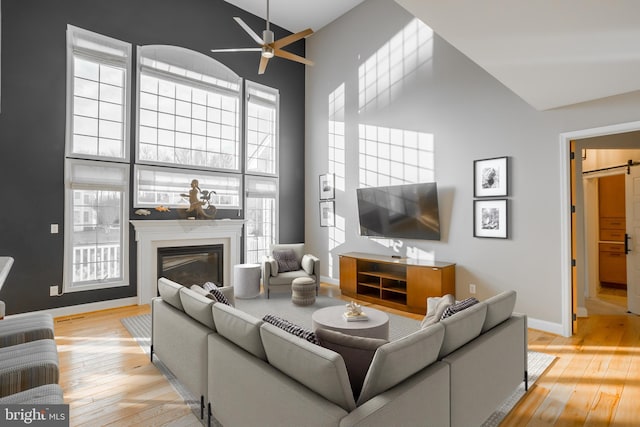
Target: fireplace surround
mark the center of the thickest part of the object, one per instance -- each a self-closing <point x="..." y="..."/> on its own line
<point x="154" y="234"/>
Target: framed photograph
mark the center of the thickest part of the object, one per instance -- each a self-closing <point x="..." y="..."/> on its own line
<point x="327" y="216"/>
<point x="490" y="177"/>
<point x="490" y="218"/>
<point x="326" y="186"/>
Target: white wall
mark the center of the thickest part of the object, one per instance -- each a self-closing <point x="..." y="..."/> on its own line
<point x="470" y="116"/>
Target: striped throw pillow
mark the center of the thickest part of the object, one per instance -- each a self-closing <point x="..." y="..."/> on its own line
<point x="458" y="307"/>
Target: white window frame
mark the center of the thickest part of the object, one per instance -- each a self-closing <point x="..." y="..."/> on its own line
<point x="248" y="195"/>
<point x="204" y="73"/>
<point x="107" y="51"/>
<point x="123" y="187"/>
<point x="250" y="89"/>
<point x="188" y="176"/>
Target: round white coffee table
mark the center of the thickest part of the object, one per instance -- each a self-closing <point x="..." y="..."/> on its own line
<point x="376" y="326"/>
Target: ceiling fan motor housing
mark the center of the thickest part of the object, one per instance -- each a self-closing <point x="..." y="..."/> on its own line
<point x="267" y="38"/>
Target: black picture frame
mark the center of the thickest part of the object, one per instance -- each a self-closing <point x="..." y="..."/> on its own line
<point x="491" y="177"/>
<point x="491" y="218"/>
<point x="327" y="213"/>
<point x="327" y="190"/>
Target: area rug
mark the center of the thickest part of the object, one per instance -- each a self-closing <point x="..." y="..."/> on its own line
<point x="140" y="329"/>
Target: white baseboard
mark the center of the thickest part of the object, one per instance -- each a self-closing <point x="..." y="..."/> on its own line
<point x="330" y="280"/>
<point x="85" y="308"/>
<point x="543" y="325"/>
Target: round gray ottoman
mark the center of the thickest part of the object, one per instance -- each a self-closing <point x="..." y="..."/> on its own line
<point x="303" y="291"/>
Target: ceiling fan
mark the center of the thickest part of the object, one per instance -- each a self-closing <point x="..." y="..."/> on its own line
<point x="269" y="46"/>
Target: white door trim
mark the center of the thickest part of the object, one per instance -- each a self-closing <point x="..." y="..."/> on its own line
<point x="565" y="209"/>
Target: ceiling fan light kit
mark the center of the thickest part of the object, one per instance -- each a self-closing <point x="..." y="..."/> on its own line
<point x="268" y="46"/>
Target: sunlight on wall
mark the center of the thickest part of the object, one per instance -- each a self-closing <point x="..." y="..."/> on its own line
<point x="336" y="165"/>
<point x="419" y="254"/>
<point x="394" y="156"/>
<point x="381" y="76"/>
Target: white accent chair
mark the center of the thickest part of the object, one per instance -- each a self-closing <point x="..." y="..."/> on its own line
<point x="273" y="278"/>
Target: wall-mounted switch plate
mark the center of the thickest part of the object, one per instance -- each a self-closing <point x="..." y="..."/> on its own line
<point x="54" y="228"/>
<point x="53" y="291"/>
<point x="472" y="288"/>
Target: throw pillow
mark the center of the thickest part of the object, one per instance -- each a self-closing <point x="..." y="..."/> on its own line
<point x="287" y="260"/>
<point x="199" y="289"/>
<point x="435" y="313"/>
<point x="209" y="285"/>
<point x="458" y="307"/>
<point x="357" y="353"/>
<point x="292" y="328"/>
<point x="219" y="296"/>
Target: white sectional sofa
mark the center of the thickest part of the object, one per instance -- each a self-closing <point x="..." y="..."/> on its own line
<point x="252" y="373"/>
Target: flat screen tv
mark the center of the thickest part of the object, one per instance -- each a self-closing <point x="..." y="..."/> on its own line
<point x="407" y="211"/>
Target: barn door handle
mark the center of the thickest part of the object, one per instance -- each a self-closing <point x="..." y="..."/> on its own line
<point x="626" y="243"/>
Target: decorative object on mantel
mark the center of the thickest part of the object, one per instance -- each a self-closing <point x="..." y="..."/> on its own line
<point x="162" y="208"/>
<point x="200" y="202"/>
<point x="354" y="313"/>
<point x="143" y="212"/>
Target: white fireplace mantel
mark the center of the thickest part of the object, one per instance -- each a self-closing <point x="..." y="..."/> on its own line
<point x="154" y="234"/>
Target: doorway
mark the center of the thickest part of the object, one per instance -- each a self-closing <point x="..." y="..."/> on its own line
<point x="606" y="173"/>
<point x="622" y="136"/>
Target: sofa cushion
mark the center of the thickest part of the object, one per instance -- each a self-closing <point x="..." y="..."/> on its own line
<point x="317" y="368"/>
<point x="287" y="277"/>
<point x="287" y="260"/>
<point x="198" y="307"/>
<point x="435" y="307"/>
<point x="499" y="309"/>
<point x="292" y="328"/>
<point x="357" y="353"/>
<point x="462" y="327"/>
<point x="458" y="307"/>
<point x="170" y="292"/>
<point x="398" y="360"/>
<point x="240" y="328"/>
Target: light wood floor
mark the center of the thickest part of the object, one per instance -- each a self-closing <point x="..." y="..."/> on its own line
<point x="108" y="380"/>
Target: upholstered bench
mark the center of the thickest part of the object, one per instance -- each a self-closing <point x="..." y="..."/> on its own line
<point x="303" y="291"/>
<point x="48" y="394"/>
<point x="28" y="365"/>
<point x="22" y="329"/>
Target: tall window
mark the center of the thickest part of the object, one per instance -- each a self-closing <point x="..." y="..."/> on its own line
<point x="262" y="129"/>
<point x="188" y="117"/>
<point x="261" y="216"/>
<point x="261" y="212"/>
<point x="97" y="168"/>
<point x="98" y="102"/>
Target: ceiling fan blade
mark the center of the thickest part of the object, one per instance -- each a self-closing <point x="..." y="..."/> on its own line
<point x="241" y="49"/>
<point x="292" y="56"/>
<point x="263" y="64"/>
<point x="285" y="41"/>
<point x="249" y="31"/>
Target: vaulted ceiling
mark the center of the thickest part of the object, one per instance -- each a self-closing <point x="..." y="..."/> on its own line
<point x="550" y="53"/>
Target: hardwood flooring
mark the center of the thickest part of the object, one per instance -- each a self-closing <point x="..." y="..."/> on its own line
<point x="108" y="380"/>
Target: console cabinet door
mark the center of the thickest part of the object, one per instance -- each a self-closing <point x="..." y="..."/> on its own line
<point x="348" y="275"/>
<point x="424" y="282"/>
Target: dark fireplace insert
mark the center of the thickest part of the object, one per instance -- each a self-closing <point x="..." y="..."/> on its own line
<point x="189" y="265"/>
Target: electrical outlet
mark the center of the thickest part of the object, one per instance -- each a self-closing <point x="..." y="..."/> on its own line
<point x="472" y="288"/>
<point x="54" y="228"/>
<point x="53" y="291"/>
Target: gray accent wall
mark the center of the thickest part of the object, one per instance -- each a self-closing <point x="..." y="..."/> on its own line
<point x="470" y="116"/>
<point x="32" y="123"/>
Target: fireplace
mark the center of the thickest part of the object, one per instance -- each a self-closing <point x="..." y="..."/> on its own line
<point x="189" y="265"/>
<point x="153" y="235"/>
